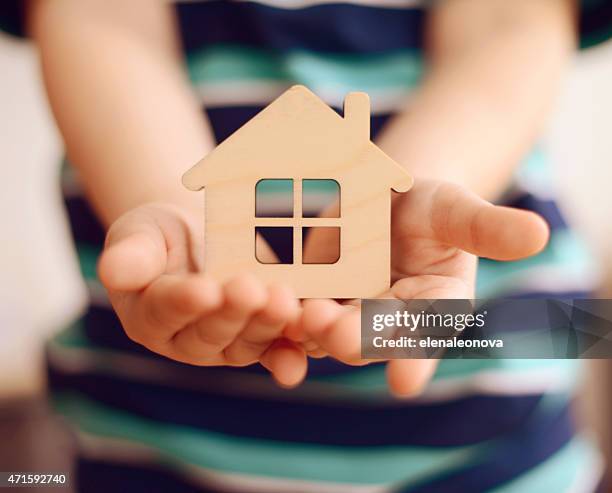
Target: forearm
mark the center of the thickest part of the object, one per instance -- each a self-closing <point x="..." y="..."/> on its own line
<point x="114" y="76"/>
<point x="491" y="78"/>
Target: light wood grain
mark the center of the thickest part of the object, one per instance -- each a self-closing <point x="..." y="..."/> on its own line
<point x="299" y="137"/>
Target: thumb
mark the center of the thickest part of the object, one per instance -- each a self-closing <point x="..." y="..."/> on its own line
<point x="464" y="220"/>
<point x="134" y="255"/>
<point x="501" y="233"/>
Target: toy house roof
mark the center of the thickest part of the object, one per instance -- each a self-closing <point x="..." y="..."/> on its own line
<point x="299" y="132"/>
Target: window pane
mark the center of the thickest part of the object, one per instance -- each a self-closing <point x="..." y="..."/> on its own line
<point x="328" y="242"/>
<point x="320" y="198"/>
<point x="279" y="239"/>
<point x="274" y="198"/>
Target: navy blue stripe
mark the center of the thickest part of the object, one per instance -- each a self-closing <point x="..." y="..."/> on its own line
<point x="12" y="17"/>
<point x="545" y="208"/>
<point x="99" y="476"/>
<point x="225" y="121"/>
<point x="102" y="328"/>
<point x="84" y="225"/>
<point x="333" y="423"/>
<point x="524" y="449"/>
<point x="332" y="28"/>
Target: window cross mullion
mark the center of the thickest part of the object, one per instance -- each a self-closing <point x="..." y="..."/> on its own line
<point x="303" y="222"/>
<point x="297" y="216"/>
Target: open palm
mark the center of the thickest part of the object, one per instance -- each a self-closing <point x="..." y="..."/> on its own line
<point x="437" y="232"/>
<point x="152" y="268"/>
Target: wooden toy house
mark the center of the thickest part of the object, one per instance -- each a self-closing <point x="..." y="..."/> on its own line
<point x="298" y="143"/>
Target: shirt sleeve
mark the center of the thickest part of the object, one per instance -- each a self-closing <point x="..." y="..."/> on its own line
<point x="12" y="18"/>
<point x="595" y="22"/>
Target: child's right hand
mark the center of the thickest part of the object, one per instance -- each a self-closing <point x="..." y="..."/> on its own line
<point x="152" y="268"/>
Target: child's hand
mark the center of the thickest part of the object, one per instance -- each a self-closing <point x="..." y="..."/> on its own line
<point x="437" y="231"/>
<point x="151" y="267"/>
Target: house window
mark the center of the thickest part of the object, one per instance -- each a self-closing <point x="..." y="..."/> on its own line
<point x="274" y="198"/>
<point x="288" y="212"/>
<point x="320" y="198"/>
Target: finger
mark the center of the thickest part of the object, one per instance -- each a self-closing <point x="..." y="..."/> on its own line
<point x="317" y="315"/>
<point x="173" y="301"/>
<point x="265" y="253"/>
<point x="209" y="336"/>
<point x="286" y="362"/>
<point x="408" y="377"/>
<point x="463" y="220"/>
<point x="340" y="336"/>
<point x="265" y="326"/>
<point x="135" y="254"/>
<point x="293" y="330"/>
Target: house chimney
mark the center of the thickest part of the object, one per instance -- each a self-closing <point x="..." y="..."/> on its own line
<point x="357" y="114"/>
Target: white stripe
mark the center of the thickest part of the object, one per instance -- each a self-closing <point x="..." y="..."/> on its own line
<point x="237" y="93"/>
<point x="261" y="93"/>
<point x="498" y="382"/>
<point x="118" y="450"/>
<point x="539" y="186"/>
<point x="590" y="476"/>
<point x="557" y="280"/>
<point x="300" y="4"/>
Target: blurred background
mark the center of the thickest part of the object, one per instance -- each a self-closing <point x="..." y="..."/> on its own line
<point x="41" y="290"/>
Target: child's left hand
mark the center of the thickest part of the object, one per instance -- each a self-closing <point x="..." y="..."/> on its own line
<point x="438" y="229"/>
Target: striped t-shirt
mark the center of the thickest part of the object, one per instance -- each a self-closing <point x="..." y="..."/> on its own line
<point x="148" y="424"/>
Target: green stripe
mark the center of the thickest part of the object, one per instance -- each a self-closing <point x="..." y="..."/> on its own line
<point x="274" y="186"/>
<point x="88" y="260"/>
<point x="176" y="444"/>
<point x="73" y="337"/>
<point x="229" y="63"/>
<point x="564" y="251"/>
<point x="535" y="170"/>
